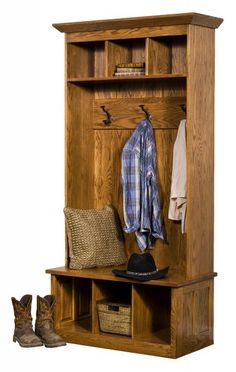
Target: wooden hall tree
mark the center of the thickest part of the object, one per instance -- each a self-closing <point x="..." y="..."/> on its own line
<point x="173" y="316"/>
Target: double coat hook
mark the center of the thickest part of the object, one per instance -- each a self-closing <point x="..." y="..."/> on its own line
<point x="109" y="118"/>
<point x="148" y="115"/>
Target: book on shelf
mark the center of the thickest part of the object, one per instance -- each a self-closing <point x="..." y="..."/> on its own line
<point x="130" y="69"/>
<point x="131" y="65"/>
<point x="134" y="73"/>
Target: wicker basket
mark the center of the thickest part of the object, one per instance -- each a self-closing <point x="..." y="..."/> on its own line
<point x="114" y="317"/>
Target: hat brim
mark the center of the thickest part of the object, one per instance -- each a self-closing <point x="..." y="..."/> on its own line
<point x="141" y="278"/>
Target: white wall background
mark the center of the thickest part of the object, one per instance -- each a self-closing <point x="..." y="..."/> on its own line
<point x="32" y="190"/>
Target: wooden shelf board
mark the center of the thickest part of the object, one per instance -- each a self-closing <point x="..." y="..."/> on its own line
<point x="159" y="337"/>
<point x="112" y="79"/>
<point x="78" y="326"/>
<point x="79" y="332"/>
<point x="173" y="279"/>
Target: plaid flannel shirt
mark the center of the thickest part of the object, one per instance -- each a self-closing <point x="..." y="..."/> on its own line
<point x="141" y="204"/>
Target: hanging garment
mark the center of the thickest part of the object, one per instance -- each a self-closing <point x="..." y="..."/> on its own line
<point x="177" y="208"/>
<point x="141" y="202"/>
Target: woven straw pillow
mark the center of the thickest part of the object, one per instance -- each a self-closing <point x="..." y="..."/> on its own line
<point x="95" y="237"/>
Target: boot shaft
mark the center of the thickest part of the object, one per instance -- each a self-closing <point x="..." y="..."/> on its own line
<point x="45" y="309"/>
<point x="22" y="311"/>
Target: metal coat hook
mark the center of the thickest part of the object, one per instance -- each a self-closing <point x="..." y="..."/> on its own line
<point x="109" y="118"/>
<point x="183" y="107"/>
<point x="148" y="115"/>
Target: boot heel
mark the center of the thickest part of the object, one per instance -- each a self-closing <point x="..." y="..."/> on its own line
<point x="14" y="339"/>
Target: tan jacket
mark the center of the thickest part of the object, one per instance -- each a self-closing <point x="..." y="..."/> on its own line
<point x="177" y="208"/>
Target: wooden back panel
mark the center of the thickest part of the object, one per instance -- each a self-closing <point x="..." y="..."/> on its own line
<point x="164" y="105"/>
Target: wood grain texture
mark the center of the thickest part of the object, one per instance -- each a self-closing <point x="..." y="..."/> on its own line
<point x="81" y="298"/>
<point x="166" y="112"/>
<point x="140" y="22"/>
<point x="97" y="294"/>
<point x="179" y="55"/>
<point x="159" y="56"/>
<point x="66" y="301"/>
<point x="191" y="318"/>
<point x="129" y="33"/>
<point x="99" y="59"/>
<point x="55" y="291"/>
<point x="79" y="138"/>
<point x="86" y="59"/>
<point x="124" y="51"/>
<point x="79" y="334"/>
<point x="152" y="306"/>
<point x="117" y="53"/>
<point x="200" y="151"/>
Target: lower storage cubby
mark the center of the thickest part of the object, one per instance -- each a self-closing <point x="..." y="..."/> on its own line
<point x="73" y="304"/>
<point x="152" y="313"/>
<point x="114" y="293"/>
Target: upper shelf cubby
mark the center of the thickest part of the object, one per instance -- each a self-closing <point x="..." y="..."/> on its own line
<point x="166" y="55"/>
<point x="124" y="52"/>
<point x="163" y="56"/>
<point x="86" y="59"/>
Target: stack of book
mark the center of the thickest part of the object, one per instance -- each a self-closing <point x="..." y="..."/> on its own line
<point x="130" y="69"/>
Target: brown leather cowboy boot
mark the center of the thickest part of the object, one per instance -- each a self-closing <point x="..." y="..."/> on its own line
<point x="44" y="322"/>
<point x="23" y="332"/>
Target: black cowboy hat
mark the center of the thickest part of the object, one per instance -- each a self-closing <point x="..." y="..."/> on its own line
<point x="141" y="267"/>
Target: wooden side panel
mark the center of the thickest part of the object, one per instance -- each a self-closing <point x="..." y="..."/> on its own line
<point x="79" y="148"/>
<point x="192" y="318"/>
<point x="55" y="290"/>
<point x="200" y="150"/>
<point x="62" y="289"/>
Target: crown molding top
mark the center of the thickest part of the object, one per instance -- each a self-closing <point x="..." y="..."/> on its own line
<point x="139" y="22"/>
